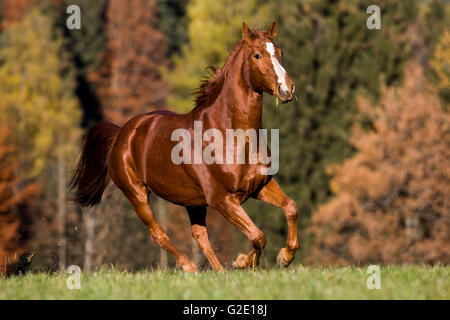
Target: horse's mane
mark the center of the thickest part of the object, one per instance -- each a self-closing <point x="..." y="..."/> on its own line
<point x="211" y="86"/>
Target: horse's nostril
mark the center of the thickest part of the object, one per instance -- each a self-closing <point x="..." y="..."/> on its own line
<point x="281" y="91"/>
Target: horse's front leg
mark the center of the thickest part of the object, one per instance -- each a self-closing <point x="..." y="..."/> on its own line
<point x="272" y="193"/>
<point x="231" y="209"/>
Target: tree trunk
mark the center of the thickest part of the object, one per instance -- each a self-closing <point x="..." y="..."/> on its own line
<point x="89" y="223"/>
<point x="62" y="210"/>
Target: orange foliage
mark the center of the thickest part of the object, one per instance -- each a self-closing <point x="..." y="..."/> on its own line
<point x="15" y="206"/>
<point x="393" y="196"/>
<point x="14" y="10"/>
<point x="130" y="80"/>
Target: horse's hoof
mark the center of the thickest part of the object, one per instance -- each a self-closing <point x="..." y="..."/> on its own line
<point x="240" y="262"/>
<point x="281" y="260"/>
<point x="189" y="268"/>
<point x="220" y="269"/>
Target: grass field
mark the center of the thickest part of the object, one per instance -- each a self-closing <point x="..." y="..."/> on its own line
<point x="405" y="282"/>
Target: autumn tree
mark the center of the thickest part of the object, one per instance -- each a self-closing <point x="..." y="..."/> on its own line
<point x="131" y="80"/>
<point x="36" y="93"/>
<point x="17" y="205"/>
<point x="392" y="201"/>
<point x="12" y="11"/>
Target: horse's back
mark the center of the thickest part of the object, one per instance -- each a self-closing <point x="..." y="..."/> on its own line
<point x="138" y="133"/>
<point x="144" y="146"/>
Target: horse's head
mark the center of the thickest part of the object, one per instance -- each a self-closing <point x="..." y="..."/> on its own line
<point x="265" y="72"/>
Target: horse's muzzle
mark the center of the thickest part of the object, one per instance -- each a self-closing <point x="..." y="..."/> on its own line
<point x="286" y="96"/>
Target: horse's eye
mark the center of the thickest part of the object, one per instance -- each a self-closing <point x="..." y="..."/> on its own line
<point x="257" y="56"/>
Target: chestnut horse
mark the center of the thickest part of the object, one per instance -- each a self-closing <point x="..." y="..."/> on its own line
<point x="137" y="156"/>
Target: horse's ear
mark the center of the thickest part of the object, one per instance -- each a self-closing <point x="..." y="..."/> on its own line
<point x="246" y="31"/>
<point x="272" y="31"/>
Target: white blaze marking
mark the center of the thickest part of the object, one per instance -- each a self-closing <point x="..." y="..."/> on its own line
<point x="279" y="70"/>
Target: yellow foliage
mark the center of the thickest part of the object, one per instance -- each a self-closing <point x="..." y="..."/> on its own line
<point x="441" y="61"/>
<point x="36" y="88"/>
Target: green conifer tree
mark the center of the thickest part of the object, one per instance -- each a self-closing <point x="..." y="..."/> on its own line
<point x="86" y="47"/>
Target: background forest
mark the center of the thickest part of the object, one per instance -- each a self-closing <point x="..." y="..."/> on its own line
<point x="365" y="150"/>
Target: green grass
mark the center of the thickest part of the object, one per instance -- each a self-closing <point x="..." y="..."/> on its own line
<point x="397" y="282"/>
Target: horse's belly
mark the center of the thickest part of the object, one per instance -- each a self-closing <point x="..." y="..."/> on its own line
<point x="165" y="178"/>
<point x="171" y="183"/>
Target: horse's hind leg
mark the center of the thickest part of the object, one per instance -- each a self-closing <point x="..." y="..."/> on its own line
<point x="197" y="216"/>
<point x="137" y="194"/>
<point x="159" y="236"/>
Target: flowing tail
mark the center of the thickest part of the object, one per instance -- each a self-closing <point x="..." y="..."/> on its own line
<point x="91" y="177"/>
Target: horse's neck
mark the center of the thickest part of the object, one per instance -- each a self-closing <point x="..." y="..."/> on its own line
<point x="237" y="106"/>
